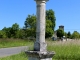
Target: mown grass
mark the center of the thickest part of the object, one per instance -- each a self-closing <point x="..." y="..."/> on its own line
<point x="14" y="43"/>
<point x="69" y="50"/>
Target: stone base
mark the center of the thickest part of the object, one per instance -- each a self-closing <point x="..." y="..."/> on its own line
<point x="37" y="55"/>
<point x="40" y="46"/>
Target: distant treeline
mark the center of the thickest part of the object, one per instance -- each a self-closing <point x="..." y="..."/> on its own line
<point x="74" y="35"/>
<point x="29" y="29"/>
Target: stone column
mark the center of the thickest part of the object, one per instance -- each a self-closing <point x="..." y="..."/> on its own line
<point x="40" y="44"/>
<point x="40" y="52"/>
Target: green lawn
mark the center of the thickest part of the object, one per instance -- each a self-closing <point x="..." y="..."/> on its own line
<point x="69" y="50"/>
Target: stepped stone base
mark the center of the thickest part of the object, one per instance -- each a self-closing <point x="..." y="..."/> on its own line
<point x="37" y="55"/>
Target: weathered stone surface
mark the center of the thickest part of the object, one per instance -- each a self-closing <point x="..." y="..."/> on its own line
<point x="37" y="55"/>
<point x="32" y="58"/>
<point x="40" y="46"/>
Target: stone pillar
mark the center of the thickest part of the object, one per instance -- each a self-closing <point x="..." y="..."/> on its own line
<point x="40" y="44"/>
<point x="40" y="52"/>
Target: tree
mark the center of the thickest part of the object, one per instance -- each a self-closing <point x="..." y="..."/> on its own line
<point x="50" y="15"/>
<point x="14" y="30"/>
<point x="49" y="30"/>
<point x="30" y="26"/>
<point x="60" y="33"/>
<point x="11" y="31"/>
<point x="21" y="34"/>
<point x="2" y="34"/>
<point x="65" y="34"/>
<point x="30" y="23"/>
<point x="50" y="23"/>
<point x="7" y="31"/>
<point x="69" y="35"/>
<point x="75" y="35"/>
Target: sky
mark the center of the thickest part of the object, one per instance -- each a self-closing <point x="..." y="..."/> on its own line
<point x="67" y="12"/>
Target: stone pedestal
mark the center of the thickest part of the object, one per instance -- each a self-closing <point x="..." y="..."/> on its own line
<point x="37" y="55"/>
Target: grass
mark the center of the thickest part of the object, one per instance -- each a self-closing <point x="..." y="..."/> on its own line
<point x="21" y="56"/>
<point x="14" y="43"/>
<point x="69" y="50"/>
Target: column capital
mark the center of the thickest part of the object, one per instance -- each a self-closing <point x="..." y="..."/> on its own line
<point x="41" y="0"/>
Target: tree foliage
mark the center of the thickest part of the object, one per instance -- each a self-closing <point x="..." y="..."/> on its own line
<point x="30" y="25"/>
<point x="49" y="29"/>
<point x="30" y="21"/>
<point x="7" y="31"/>
<point x="60" y="33"/>
<point x="69" y="35"/>
<point x="14" y="30"/>
<point x="75" y="35"/>
<point x="11" y="32"/>
<point x="65" y="34"/>
<point x="2" y="34"/>
<point x="50" y="15"/>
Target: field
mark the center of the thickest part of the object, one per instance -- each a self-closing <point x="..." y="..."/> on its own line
<point x="68" y="50"/>
<point x="14" y="42"/>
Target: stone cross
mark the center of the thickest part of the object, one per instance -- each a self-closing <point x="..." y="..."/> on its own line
<point x="40" y="52"/>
